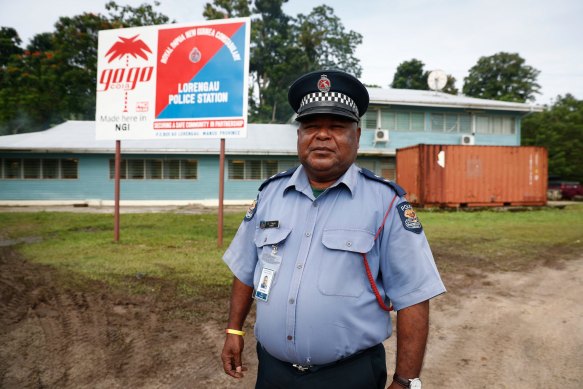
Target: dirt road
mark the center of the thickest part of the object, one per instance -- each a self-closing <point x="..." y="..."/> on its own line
<point x="503" y="330"/>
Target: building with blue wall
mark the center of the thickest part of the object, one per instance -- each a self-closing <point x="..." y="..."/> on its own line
<point x="66" y="165"/>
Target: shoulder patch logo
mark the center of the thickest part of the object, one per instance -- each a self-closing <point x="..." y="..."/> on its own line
<point x="251" y="211"/>
<point x="409" y="218"/>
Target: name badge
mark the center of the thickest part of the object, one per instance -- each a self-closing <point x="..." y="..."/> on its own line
<point x="263" y="224"/>
<point x="262" y="292"/>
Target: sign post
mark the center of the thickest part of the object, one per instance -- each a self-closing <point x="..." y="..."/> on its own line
<point x="117" y="190"/>
<point x="221" y="191"/>
<point x="178" y="81"/>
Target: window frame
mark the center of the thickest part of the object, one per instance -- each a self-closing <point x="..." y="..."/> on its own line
<point x="40" y="168"/>
<point x="265" y="168"/>
<point x="176" y="166"/>
<point x="393" y="120"/>
<point x="491" y="125"/>
<point x="451" y="122"/>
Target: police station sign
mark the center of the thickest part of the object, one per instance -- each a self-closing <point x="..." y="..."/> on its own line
<point x="173" y="81"/>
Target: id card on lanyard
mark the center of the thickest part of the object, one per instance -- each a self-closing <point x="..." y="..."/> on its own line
<point x="271" y="262"/>
<point x="265" y="281"/>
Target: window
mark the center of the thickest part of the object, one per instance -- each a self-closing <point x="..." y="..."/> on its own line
<point x="451" y="122"/>
<point x="417" y="121"/>
<point x="482" y="125"/>
<point x="495" y="125"/>
<point x="385" y="167"/>
<point x="369" y="120"/>
<point x="189" y="169"/>
<point x="237" y="170"/>
<point x="270" y="168"/>
<point x="256" y="169"/>
<point x="367" y="164"/>
<point x="437" y="122"/>
<point x="282" y="166"/>
<point x="50" y="168"/>
<point x="465" y="122"/>
<point x="395" y="120"/>
<point x="172" y="169"/>
<point x="155" y="169"/>
<point x="13" y="168"/>
<point x="409" y="121"/>
<point x="31" y="168"/>
<point x="387" y="120"/>
<point x="136" y="169"/>
<point x="35" y="169"/>
<point x="253" y="170"/>
<point x="69" y="168"/>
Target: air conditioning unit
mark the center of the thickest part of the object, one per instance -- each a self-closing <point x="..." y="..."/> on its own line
<point x="381" y="136"/>
<point x="467" y="140"/>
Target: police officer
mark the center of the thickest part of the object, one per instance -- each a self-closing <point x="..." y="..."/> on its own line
<point x="323" y="251"/>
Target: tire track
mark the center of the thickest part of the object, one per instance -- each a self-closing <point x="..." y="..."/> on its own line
<point x="54" y="337"/>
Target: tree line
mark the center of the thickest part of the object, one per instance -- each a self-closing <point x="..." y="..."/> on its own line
<point x="502" y="76"/>
<point x="53" y="78"/>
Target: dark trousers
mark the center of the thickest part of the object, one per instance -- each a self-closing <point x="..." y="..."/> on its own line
<point x="366" y="370"/>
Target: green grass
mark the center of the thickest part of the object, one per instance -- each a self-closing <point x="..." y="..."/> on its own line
<point x="162" y="249"/>
<point x="497" y="240"/>
<point x="153" y="247"/>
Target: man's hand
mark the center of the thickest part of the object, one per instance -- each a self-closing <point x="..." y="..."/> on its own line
<point x="233" y="349"/>
<point x="231" y="356"/>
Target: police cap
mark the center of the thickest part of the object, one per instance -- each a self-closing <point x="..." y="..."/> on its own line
<point x="331" y="92"/>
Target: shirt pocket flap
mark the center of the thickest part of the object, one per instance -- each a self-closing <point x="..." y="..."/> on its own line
<point x="270" y="236"/>
<point x="358" y="241"/>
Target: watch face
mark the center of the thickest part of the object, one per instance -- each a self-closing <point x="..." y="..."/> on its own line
<point x="415" y="384"/>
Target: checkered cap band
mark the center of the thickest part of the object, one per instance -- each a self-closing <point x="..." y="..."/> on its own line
<point x="336" y="97"/>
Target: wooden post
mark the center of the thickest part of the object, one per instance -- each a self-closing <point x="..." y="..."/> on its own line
<point x="221" y="192"/>
<point x="117" y="190"/>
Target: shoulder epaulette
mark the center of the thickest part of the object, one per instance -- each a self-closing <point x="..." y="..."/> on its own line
<point x="368" y="174"/>
<point x="277" y="176"/>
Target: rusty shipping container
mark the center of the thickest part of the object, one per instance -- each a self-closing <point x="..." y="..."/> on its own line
<point x="473" y="176"/>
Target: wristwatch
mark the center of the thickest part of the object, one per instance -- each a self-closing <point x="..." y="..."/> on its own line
<point x="412" y="383"/>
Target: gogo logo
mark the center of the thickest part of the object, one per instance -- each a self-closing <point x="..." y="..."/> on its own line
<point x="126" y="78"/>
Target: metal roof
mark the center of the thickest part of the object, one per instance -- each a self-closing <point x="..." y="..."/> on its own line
<point x="424" y="98"/>
<point x="79" y="137"/>
<point x="262" y="139"/>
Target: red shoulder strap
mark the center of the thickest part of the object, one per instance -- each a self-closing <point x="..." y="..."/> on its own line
<point x="373" y="285"/>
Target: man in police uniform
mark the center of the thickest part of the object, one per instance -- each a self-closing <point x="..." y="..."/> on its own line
<point x="336" y="244"/>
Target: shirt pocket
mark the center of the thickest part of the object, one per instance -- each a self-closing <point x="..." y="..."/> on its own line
<point x="342" y="271"/>
<point x="266" y="240"/>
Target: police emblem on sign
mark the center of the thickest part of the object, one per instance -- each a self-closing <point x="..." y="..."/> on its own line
<point x="409" y="218"/>
<point x="195" y="55"/>
<point x="324" y="83"/>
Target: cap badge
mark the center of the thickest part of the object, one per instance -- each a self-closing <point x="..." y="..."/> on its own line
<point x="324" y="83"/>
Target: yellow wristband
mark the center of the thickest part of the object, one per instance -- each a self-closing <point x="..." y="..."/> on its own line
<point x="235" y="332"/>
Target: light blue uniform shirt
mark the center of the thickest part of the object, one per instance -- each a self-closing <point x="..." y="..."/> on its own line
<point x="321" y="307"/>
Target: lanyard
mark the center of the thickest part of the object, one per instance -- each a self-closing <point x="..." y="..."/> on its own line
<point x="373" y="285"/>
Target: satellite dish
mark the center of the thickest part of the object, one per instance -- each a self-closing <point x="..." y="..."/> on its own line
<point x="437" y="80"/>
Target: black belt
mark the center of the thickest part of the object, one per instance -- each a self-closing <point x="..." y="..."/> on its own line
<point x="314" y="368"/>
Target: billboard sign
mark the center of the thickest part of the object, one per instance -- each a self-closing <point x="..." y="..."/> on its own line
<point x="173" y="81"/>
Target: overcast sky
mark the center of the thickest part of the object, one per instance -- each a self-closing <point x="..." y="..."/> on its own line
<point x="449" y="34"/>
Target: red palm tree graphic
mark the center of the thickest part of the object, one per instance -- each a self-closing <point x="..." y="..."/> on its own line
<point x="128" y="46"/>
